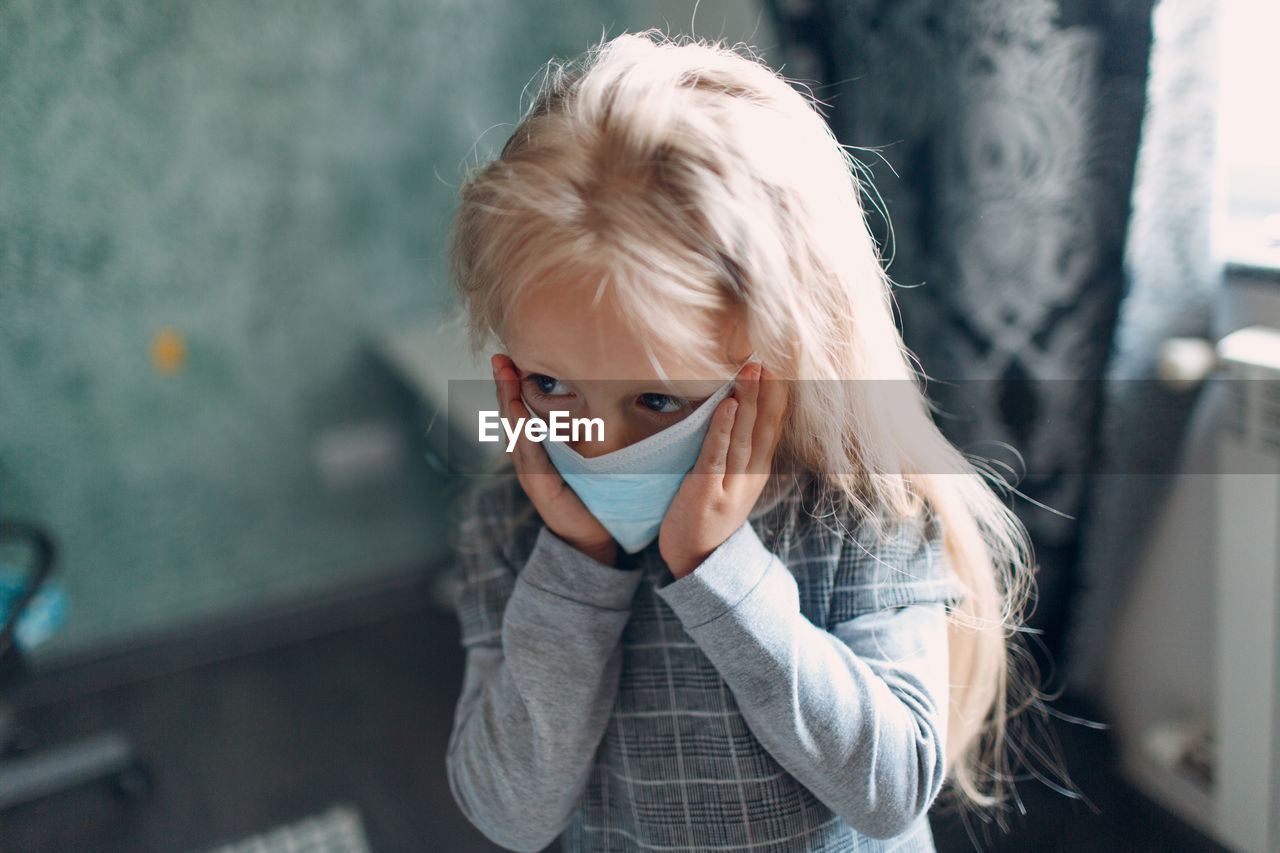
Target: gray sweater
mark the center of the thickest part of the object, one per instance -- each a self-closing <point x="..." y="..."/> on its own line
<point x="790" y="694"/>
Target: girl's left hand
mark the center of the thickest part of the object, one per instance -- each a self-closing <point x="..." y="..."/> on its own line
<point x="716" y="496"/>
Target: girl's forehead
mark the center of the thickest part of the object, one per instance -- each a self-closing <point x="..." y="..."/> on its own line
<point x="559" y="332"/>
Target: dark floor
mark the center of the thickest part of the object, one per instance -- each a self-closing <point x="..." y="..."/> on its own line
<point x="361" y="715"/>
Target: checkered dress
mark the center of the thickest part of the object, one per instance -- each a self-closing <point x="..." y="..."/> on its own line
<point x="788" y="695"/>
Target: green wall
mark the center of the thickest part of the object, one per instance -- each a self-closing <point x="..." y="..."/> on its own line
<point x="271" y="184"/>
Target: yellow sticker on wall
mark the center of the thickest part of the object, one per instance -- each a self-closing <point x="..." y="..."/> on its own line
<point x="168" y="351"/>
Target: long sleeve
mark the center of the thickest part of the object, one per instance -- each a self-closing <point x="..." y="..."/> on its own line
<point x="543" y="661"/>
<point x="857" y="714"/>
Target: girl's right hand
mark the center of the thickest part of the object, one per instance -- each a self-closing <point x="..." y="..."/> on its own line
<point x="560" y="507"/>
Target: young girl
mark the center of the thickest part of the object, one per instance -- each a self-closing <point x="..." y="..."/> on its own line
<point x="798" y="643"/>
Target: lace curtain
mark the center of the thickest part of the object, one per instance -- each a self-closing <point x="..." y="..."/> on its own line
<point x="1003" y="138"/>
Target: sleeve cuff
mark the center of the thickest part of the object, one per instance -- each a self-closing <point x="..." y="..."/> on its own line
<point x="557" y="567"/>
<point x="724" y="579"/>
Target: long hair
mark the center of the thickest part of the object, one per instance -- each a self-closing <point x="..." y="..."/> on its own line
<point x="691" y="185"/>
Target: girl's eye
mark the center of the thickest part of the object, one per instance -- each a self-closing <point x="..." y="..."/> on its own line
<point x="549" y="385"/>
<point x="663" y="403"/>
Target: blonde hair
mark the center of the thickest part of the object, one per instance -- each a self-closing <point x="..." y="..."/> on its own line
<point x="687" y="179"/>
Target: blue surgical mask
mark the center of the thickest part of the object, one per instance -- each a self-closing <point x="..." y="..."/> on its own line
<point x="630" y="489"/>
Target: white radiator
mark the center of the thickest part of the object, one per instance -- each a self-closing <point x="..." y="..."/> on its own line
<point x="1246" y="762"/>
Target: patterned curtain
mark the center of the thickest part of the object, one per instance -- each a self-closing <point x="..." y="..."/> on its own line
<point x="1004" y="136"/>
<point x="1173" y="280"/>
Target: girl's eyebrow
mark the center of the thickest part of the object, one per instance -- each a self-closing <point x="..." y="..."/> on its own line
<point x="528" y="367"/>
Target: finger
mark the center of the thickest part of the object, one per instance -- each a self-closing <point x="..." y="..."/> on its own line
<point x="746" y="390"/>
<point x="715" y="446"/>
<point x="512" y="402"/>
<point x="771" y="404"/>
<point x="537" y="476"/>
<point x="509" y="380"/>
<point x="533" y="456"/>
<point x="499" y="363"/>
<point x="512" y="410"/>
<point x="530" y="457"/>
<point x="771" y="409"/>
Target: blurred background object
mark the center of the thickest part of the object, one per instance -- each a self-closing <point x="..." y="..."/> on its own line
<point x="33" y="607"/>
<point x="212" y="215"/>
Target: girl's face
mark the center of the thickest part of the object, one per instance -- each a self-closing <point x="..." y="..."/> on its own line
<point x="590" y="362"/>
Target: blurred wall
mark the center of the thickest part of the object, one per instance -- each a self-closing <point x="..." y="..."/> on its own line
<point x="730" y="20"/>
<point x="207" y="213"/>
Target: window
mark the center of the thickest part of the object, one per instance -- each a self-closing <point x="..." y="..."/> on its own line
<point x="1247" y="215"/>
